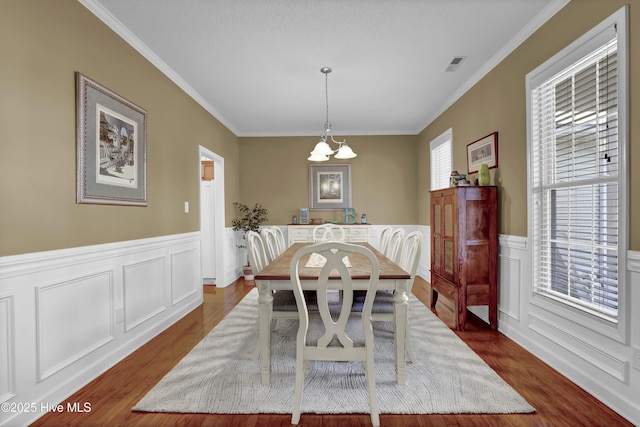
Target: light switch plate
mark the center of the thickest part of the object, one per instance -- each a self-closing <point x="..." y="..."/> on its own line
<point x="186" y="207"/>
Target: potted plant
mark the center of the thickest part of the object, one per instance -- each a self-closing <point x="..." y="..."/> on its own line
<point x="249" y="219"/>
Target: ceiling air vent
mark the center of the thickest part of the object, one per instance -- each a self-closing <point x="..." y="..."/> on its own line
<point x="455" y="63"/>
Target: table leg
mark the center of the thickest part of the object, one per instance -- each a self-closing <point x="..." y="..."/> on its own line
<point x="265" y="305"/>
<point x="401" y="303"/>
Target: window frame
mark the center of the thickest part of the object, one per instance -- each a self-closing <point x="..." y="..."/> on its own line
<point x="440" y="140"/>
<point x="563" y="59"/>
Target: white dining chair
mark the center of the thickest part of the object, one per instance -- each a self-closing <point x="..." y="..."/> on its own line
<point x="271" y="244"/>
<point x="383" y="242"/>
<point x="383" y="305"/>
<point x="334" y="333"/>
<point x="394" y="247"/>
<point x="256" y="251"/>
<point x="329" y="233"/>
<point x="282" y="243"/>
<point x="284" y="302"/>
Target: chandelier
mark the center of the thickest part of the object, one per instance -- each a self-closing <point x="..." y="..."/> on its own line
<point x="322" y="150"/>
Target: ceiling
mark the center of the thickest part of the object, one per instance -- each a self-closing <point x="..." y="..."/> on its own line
<point x="255" y="64"/>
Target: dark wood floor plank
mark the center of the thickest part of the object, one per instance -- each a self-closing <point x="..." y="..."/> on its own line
<point x="557" y="400"/>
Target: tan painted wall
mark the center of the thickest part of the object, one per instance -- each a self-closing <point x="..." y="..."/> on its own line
<point x="43" y="43"/>
<point x="384" y="182"/>
<point x="497" y="103"/>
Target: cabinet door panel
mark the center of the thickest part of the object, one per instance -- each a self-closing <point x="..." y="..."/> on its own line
<point x="449" y="257"/>
<point x="449" y="236"/>
<point x="477" y="265"/>
<point x="436" y="234"/>
<point x="478" y="220"/>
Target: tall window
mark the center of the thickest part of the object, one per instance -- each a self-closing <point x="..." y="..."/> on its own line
<point x="441" y="160"/>
<point x="577" y="175"/>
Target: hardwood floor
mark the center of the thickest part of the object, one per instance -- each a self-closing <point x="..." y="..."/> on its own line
<point x="558" y="401"/>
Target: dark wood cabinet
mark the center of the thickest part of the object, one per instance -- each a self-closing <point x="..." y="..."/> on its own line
<point x="464" y="249"/>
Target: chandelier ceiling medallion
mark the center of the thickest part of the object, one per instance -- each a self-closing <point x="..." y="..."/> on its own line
<point x="322" y="151"/>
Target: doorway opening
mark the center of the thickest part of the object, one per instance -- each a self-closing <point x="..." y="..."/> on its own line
<point x="211" y="170"/>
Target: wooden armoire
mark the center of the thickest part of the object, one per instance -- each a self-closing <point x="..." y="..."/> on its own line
<point x="464" y="249"/>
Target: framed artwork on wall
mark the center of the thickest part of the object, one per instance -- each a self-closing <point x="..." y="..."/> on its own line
<point x="329" y="186"/>
<point x="111" y="147"/>
<point x="483" y="150"/>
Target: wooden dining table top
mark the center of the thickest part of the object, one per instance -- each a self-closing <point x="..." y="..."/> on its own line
<point x="278" y="269"/>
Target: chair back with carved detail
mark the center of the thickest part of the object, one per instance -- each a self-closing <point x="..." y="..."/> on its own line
<point x="334" y="332"/>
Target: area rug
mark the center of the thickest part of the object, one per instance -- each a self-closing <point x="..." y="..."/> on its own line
<point x="220" y="376"/>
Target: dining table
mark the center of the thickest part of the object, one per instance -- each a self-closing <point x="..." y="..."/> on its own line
<point x="277" y="276"/>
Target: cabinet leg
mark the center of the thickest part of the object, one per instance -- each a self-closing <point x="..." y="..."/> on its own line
<point x="434" y="299"/>
<point x="461" y="318"/>
<point x="493" y="315"/>
<point x="461" y="310"/>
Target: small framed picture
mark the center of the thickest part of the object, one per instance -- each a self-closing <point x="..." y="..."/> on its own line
<point x="483" y="150"/>
<point x="329" y="186"/>
<point x="111" y="147"/>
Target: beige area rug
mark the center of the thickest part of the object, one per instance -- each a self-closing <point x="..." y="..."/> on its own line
<point x="219" y="375"/>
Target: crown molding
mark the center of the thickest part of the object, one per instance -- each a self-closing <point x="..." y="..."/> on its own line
<point x="105" y="16"/>
<point x="509" y="47"/>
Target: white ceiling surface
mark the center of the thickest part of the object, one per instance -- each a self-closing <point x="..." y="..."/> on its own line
<point x="255" y="64"/>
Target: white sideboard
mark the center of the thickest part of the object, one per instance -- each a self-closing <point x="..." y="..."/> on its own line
<point x="354" y="232"/>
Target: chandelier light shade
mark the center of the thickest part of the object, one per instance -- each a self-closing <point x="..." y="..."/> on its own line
<point x="323" y="151"/>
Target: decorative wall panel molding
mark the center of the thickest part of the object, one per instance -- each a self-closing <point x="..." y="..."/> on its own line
<point x="185" y="275"/>
<point x="69" y="328"/>
<point x="510" y="284"/>
<point x="144" y="291"/>
<point x="598" y="359"/>
<point x="633" y="261"/>
<point x="7" y="349"/>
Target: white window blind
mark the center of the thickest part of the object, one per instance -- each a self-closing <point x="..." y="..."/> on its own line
<point x="441" y="160"/>
<point x="575" y="173"/>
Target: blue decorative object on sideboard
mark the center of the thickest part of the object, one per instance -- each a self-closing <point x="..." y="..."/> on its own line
<point x="349" y="215"/>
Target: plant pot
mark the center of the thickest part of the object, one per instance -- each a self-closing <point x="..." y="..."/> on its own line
<point x="248" y="273"/>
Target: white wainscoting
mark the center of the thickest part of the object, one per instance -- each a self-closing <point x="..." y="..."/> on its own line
<point x="594" y="361"/>
<point x="7" y="348"/>
<point x="66" y="316"/>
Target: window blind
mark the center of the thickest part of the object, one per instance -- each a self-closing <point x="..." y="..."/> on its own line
<point x="575" y="183"/>
<point x="441" y="160"/>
